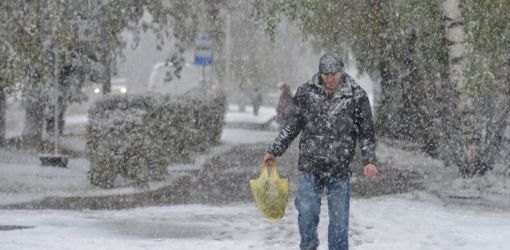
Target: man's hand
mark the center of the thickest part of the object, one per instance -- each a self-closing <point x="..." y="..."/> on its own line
<point x="269" y="159"/>
<point x="370" y="170"/>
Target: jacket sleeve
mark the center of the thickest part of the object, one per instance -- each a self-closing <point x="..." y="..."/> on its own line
<point x="293" y="128"/>
<point x="365" y="126"/>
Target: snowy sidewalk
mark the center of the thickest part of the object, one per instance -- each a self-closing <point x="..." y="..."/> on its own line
<point x="397" y="222"/>
<point x="23" y="179"/>
<point x="237" y="119"/>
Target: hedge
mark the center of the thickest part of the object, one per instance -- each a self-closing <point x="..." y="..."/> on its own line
<point x="137" y="136"/>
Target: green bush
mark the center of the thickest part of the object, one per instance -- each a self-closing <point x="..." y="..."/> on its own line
<point x="137" y="137"/>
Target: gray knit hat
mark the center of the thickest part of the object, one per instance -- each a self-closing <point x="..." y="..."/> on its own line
<point x="330" y="63"/>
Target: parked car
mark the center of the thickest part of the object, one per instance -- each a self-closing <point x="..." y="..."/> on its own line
<point x="164" y="80"/>
<point x="119" y="86"/>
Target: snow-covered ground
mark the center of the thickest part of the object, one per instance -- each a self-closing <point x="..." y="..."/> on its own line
<point x="234" y="115"/>
<point x="389" y="222"/>
<point x="22" y="178"/>
<point x="244" y="136"/>
<point x="414" y="220"/>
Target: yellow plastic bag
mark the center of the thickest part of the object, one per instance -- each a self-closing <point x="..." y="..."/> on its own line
<point x="270" y="193"/>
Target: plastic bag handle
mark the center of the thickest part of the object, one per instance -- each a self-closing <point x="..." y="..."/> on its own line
<point x="274" y="171"/>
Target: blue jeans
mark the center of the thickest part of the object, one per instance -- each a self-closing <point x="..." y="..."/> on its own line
<point x="308" y="204"/>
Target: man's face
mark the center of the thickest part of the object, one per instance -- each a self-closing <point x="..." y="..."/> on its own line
<point x="332" y="80"/>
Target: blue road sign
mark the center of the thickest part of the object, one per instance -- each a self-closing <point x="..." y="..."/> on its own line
<point x="203" y="50"/>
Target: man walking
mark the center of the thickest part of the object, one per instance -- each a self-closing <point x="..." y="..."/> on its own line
<point x="331" y="112"/>
<point x="256" y="100"/>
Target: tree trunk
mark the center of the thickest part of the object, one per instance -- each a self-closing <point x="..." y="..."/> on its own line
<point x="465" y="139"/>
<point x="443" y="123"/>
<point x="498" y="123"/>
<point x="387" y="122"/>
<point x="454" y="25"/>
<point x="35" y="103"/>
<point x="412" y="117"/>
<point x="107" y="84"/>
<point x="34" y="120"/>
<point x="105" y="51"/>
<point x="2" y="116"/>
<point x="64" y="82"/>
<point x="385" y="117"/>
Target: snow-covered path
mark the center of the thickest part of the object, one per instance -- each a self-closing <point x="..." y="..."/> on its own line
<point x="388" y="222"/>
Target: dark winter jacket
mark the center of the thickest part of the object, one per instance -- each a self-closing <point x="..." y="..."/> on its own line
<point x="330" y="125"/>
